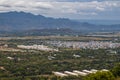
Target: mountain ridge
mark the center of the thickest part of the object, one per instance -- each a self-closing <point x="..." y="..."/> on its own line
<point x="11" y="21"/>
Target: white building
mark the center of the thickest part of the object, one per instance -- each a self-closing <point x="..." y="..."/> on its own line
<point x="70" y="73"/>
<point x="87" y="71"/>
<point x="104" y="70"/>
<point x="80" y="73"/>
<point x="11" y="58"/>
<point x="94" y="70"/>
<point x="60" y="74"/>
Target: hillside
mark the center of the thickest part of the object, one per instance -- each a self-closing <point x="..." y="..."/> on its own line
<point x="11" y="21"/>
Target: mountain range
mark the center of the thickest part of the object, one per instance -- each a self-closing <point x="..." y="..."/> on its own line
<point x="21" y="21"/>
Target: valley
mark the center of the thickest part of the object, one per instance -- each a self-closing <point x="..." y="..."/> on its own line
<point x="38" y="62"/>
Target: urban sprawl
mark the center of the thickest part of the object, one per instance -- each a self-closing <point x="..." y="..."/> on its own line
<point x="84" y="45"/>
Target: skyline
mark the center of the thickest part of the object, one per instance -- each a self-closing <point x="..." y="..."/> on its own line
<point x="73" y="9"/>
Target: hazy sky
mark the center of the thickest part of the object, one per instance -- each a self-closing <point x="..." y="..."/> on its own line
<point x="75" y="9"/>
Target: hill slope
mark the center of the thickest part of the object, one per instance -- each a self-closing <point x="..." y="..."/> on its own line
<point x="26" y="21"/>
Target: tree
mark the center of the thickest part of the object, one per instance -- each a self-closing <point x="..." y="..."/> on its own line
<point x="100" y="75"/>
<point x="116" y="70"/>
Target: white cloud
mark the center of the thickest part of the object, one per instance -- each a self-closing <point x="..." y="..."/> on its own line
<point x="100" y="8"/>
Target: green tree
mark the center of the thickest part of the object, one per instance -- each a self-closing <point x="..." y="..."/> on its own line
<point x="116" y="70"/>
<point x="100" y="76"/>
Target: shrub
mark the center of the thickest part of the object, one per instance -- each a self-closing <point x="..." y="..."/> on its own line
<point x="100" y="76"/>
<point x="116" y="70"/>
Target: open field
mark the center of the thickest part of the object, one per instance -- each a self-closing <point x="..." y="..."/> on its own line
<point x="56" y="38"/>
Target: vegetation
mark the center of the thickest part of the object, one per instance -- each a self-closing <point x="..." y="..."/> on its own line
<point x="36" y="65"/>
<point x="100" y="76"/>
<point x="116" y="70"/>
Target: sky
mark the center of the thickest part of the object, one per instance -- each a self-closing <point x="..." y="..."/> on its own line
<point x="73" y="9"/>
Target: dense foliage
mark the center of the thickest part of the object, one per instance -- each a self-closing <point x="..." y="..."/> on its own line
<point x="100" y="76"/>
<point x="116" y="70"/>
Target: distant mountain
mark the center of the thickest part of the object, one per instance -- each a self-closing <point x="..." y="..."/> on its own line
<point x="19" y="21"/>
<point x="25" y="21"/>
<point x="99" y="22"/>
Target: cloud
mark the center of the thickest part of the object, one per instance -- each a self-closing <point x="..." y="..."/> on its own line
<point x="72" y="0"/>
<point x="62" y="8"/>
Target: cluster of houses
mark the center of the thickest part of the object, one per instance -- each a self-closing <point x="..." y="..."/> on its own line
<point x="3" y="45"/>
<point x="36" y="47"/>
<point x="77" y="73"/>
<point x="85" y="45"/>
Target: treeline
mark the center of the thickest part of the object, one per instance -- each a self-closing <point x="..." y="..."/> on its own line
<point x="113" y="74"/>
<point x="35" y="63"/>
